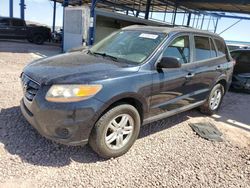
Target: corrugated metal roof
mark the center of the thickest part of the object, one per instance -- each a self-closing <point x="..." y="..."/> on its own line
<point x="240" y="6"/>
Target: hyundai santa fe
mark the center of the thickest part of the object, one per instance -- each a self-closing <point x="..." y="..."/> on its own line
<point x="137" y="75"/>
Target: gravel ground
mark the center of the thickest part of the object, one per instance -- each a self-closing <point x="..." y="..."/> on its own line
<point x="167" y="154"/>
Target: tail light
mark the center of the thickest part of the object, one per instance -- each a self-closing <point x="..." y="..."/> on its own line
<point x="234" y="62"/>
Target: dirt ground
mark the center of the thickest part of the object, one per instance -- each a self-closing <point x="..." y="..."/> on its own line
<point x="167" y="153"/>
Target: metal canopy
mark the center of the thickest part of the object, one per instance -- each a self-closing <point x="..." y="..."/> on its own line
<point x="237" y="6"/>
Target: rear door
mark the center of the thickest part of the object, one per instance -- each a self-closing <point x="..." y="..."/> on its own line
<point x="5" y="28"/>
<point x="206" y="68"/>
<point x="169" y="91"/>
<point x="19" y="29"/>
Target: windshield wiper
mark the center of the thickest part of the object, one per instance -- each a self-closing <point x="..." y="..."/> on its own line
<point x="104" y="55"/>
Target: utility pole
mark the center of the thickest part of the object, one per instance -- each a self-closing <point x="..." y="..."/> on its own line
<point x="54" y="17"/>
<point x="11" y="8"/>
<point x="22" y="8"/>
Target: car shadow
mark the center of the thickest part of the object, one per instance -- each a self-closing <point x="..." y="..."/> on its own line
<point x="20" y="138"/>
<point x="234" y="111"/>
<point x="16" y="46"/>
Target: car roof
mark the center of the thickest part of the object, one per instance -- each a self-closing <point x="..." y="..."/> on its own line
<point x="170" y="29"/>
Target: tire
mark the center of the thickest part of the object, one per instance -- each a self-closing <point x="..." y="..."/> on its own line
<point x="30" y="40"/>
<point x="214" y="100"/>
<point x="38" y="39"/>
<point x="105" y="138"/>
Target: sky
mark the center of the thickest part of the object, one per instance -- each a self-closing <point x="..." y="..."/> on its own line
<point x="42" y="11"/>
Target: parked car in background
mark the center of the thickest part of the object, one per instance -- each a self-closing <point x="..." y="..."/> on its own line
<point x="15" y="28"/>
<point x="56" y="36"/>
<point x="135" y="76"/>
<point x="241" y="75"/>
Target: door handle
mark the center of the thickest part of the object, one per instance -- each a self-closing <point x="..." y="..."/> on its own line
<point x="218" y="67"/>
<point x="190" y="75"/>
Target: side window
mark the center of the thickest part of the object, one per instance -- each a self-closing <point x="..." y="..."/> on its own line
<point x="221" y="47"/>
<point x="17" y="23"/>
<point x="4" y="22"/>
<point x="202" y="48"/>
<point x="213" y="50"/>
<point x="180" y="49"/>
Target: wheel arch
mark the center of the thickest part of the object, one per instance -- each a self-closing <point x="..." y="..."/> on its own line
<point x="223" y="82"/>
<point x="130" y="98"/>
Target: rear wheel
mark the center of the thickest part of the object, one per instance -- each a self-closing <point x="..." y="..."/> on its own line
<point x="38" y="39"/>
<point x="116" y="131"/>
<point x="214" y="100"/>
<point x="30" y="40"/>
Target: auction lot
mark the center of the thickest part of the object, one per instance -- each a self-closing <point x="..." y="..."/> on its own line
<point x="167" y="153"/>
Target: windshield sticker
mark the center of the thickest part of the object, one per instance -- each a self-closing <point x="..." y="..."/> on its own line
<point x="148" y="36"/>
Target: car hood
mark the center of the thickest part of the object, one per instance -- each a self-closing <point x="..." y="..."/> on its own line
<point x="76" y="67"/>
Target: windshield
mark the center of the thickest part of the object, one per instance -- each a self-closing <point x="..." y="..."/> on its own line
<point x="131" y="46"/>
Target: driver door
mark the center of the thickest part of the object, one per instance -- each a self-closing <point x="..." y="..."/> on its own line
<point x="170" y="90"/>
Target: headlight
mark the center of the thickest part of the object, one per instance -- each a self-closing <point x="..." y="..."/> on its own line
<point x="71" y="93"/>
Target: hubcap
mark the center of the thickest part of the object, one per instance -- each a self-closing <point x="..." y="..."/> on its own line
<point x="215" y="99"/>
<point x="119" y="131"/>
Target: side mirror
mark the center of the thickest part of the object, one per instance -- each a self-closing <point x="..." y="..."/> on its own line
<point x="169" y="62"/>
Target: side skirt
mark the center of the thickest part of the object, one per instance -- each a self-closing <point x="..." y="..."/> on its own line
<point x="171" y="113"/>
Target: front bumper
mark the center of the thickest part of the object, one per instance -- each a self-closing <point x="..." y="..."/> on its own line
<point x="68" y="124"/>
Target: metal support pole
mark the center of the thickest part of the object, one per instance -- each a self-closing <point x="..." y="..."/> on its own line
<point x="92" y="22"/>
<point x="11" y="8"/>
<point x="65" y="3"/>
<point x="166" y="8"/>
<point x="147" y="9"/>
<point x="54" y="17"/>
<point x="184" y="17"/>
<point x="216" y="25"/>
<point x="194" y="20"/>
<point x="22" y="7"/>
<point x="198" y="19"/>
<point x="175" y="12"/>
<point x="202" y="22"/>
<point x="208" y="25"/>
<point x="230" y="26"/>
<point x="137" y="13"/>
<point x="189" y="19"/>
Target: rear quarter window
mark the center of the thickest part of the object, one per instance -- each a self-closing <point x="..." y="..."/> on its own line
<point x="221" y="47"/>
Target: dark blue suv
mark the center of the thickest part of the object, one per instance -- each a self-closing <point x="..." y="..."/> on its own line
<point x="140" y="74"/>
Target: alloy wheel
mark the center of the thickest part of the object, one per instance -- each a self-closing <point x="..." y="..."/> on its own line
<point x="119" y="131"/>
<point x="215" y="99"/>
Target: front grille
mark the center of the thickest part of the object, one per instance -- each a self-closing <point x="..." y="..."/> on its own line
<point x="30" y="87"/>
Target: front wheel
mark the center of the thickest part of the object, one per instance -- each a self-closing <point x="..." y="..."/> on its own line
<point x="214" y="100"/>
<point x="116" y="131"/>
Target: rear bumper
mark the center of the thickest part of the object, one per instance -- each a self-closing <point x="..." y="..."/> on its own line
<point x="240" y="84"/>
<point x="60" y="123"/>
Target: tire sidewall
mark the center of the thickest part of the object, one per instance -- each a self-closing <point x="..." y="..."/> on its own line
<point x="40" y="37"/>
<point x="217" y="86"/>
<point x="100" y="129"/>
